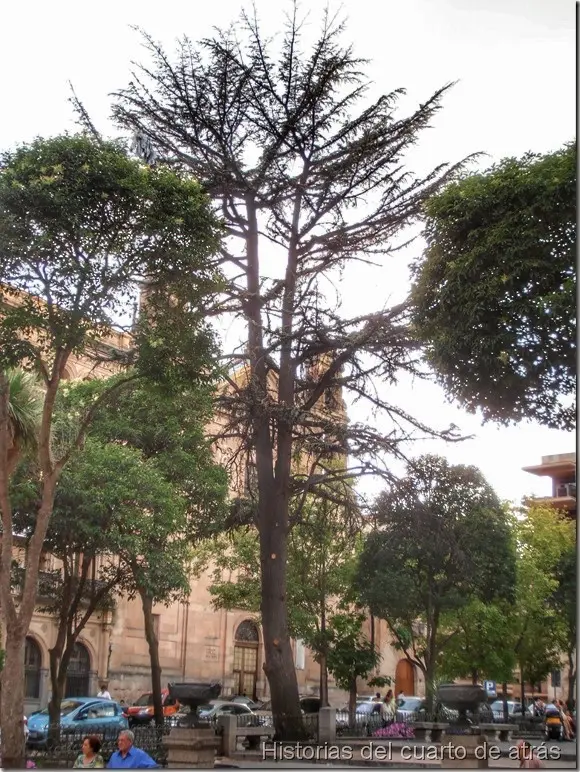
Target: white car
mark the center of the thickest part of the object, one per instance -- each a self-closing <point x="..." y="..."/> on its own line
<point x="514" y="709"/>
<point x="246" y="716"/>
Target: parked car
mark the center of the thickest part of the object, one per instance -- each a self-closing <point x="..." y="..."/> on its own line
<point x="414" y="708"/>
<point x="241" y="698"/>
<point x="141" y="712"/>
<point x="79" y="715"/>
<point x="308" y="705"/>
<point x="409" y="707"/>
<point x="514" y="710"/>
<point x="367" y="718"/>
<point x="246" y="716"/>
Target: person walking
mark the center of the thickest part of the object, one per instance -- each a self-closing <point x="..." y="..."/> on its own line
<point x="129" y="757"/>
<point x="90" y="758"/>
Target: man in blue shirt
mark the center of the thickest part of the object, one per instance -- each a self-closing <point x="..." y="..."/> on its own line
<point x="128" y="757"/>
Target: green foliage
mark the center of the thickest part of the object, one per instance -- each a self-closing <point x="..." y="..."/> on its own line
<point x="80" y="223"/>
<point x="167" y="426"/>
<point x="443" y="539"/>
<point x="565" y="596"/>
<point x="380" y="682"/>
<point x="494" y="295"/>
<point x="322" y="549"/>
<point x="24" y="407"/>
<point x="480" y="645"/>
<point x="350" y="654"/>
<point x="322" y="556"/>
<point x="539" y="631"/>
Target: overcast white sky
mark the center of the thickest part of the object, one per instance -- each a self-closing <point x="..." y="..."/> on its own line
<point x="514" y="59"/>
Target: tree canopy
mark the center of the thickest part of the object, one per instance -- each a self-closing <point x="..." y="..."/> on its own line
<point x="539" y="627"/>
<point x="494" y="295"/>
<point x="82" y="225"/>
<point x="442" y="539"/>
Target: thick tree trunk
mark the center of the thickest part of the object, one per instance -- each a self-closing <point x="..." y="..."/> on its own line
<point x="430" y="663"/>
<point x="504" y="700"/>
<point x="323" y="660"/>
<point x="153" y="645"/>
<point x="323" y="681"/>
<point x="274" y="491"/>
<point x="59" y="659"/>
<point x="279" y="663"/>
<point x="522" y="686"/>
<point x="475" y="676"/>
<point x="12" y="701"/>
<point x="352" y="704"/>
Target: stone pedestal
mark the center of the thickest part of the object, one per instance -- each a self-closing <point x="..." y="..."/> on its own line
<point x="191" y="748"/>
<point x="464" y="749"/>
<point x="327" y="726"/>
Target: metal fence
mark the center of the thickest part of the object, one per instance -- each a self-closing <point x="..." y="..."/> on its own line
<point x="304" y="726"/>
<point x="403" y="726"/>
<point x="64" y="745"/>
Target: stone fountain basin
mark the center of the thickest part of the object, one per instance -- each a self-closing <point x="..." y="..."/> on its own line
<point x="462" y="697"/>
<point x="194" y="693"/>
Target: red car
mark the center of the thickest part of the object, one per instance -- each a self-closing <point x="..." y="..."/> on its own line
<point x="142" y="711"/>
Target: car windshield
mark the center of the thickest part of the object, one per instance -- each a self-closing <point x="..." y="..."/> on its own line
<point x="205" y="708"/>
<point x="145" y="700"/>
<point x="410" y="704"/>
<point x="66" y="707"/>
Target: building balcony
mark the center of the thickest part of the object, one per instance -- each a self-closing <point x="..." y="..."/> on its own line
<point x="50" y="584"/>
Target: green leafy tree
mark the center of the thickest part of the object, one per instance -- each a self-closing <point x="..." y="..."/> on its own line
<point x="80" y="225"/>
<point x="480" y="645"/>
<point x="538" y="627"/>
<point x="103" y="504"/>
<point x="308" y="176"/>
<point x="23" y="407"/>
<point x="167" y="427"/>
<point x="350" y="655"/>
<point x="495" y="293"/>
<point x="442" y="539"/>
<point x="565" y="600"/>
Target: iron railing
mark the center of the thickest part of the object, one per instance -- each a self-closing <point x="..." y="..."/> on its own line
<point x="61" y="747"/>
<point x="50" y="583"/>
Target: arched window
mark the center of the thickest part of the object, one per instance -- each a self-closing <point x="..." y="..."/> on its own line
<point x="247" y="632"/>
<point x="32" y="665"/>
<point x="78" y="672"/>
<point x="246" y="658"/>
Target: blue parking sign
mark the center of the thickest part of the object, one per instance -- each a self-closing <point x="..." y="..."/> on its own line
<point x="490" y="688"/>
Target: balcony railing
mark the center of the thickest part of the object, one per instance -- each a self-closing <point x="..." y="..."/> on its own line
<point x="566" y="490"/>
<point x="50" y="585"/>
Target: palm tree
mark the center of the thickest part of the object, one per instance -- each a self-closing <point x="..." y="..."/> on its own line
<point x="24" y="412"/>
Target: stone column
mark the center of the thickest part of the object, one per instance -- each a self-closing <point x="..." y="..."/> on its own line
<point x="43" y="695"/>
<point x="191" y="747"/>
<point x="228" y="725"/>
<point x="327" y="725"/>
<point x="464" y="750"/>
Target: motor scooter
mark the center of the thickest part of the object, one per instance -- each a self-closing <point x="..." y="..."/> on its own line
<point x="553" y="724"/>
